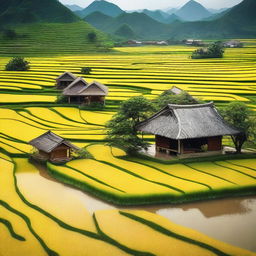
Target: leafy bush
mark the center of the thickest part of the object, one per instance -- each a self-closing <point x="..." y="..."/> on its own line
<point x="92" y="37"/>
<point x="17" y="64"/>
<point x="86" y="70"/>
<point x="62" y="99"/>
<point x="215" y="50"/>
<point x="82" y="154"/>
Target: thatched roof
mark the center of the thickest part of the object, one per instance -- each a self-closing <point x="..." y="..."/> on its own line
<point x="187" y="122"/>
<point x="81" y="88"/>
<point x="66" y="76"/>
<point x="177" y="91"/>
<point x="48" y="141"/>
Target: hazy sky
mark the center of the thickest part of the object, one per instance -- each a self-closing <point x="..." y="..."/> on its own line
<point x="157" y="4"/>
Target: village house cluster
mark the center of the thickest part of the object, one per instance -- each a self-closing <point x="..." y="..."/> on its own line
<point x="78" y="91"/>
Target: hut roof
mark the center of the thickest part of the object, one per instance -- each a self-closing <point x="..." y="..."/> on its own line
<point x="75" y="87"/>
<point x="81" y="88"/>
<point x="48" y="141"/>
<point x="175" y="90"/>
<point x="187" y="122"/>
<point x="67" y="74"/>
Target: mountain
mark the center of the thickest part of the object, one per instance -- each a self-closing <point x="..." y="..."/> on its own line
<point x="172" y="18"/>
<point x="193" y="11"/>
<point x="74" y="7"/>
<point x="215" y="11"/>
<point x="239" y="22"/>
<point x="218" y="15"/>
<point x="102" y="6"/>
<point x="140" y="23"/>
<point x="125" y="31"/>
<point x="171" y="10"/>
<point x="27" y="11"/>
<point x="156" y="15"/>
<point x="98" y="19"/>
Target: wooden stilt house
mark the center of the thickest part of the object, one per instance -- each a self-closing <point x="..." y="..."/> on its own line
<point x="188" y="129"/>
<point x="65" y="79"/>
<point x="51" y="147"/>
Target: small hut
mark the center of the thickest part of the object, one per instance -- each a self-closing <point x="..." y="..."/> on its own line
<point x="80" y="92"/>
<point x="188" y="129"/>
<point x="64" y="80"/>
<point x="50" y="146"/>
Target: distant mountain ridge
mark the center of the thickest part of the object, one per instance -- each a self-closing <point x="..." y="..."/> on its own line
<point x="27" y="11"/>
<point x="102" y="6"/>
<point x="193" y="11"/>
<point x="74" y="7"/>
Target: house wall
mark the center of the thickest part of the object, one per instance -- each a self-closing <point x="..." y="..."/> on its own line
<point x="61" y="152"/>
<point x="44" y="154"/>
<point x="166" y="143"/>
<point x="215" y="143"/>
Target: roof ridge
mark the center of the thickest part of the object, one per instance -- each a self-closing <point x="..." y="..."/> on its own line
<point x="175" y="106"/>
<point x="79" y="78"/>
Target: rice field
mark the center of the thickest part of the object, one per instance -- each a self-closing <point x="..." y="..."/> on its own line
<point x="28" y="200"/>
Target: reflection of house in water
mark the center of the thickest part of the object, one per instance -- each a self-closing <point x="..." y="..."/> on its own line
<point x="188" y="129"/>
<point x="80" y="92"/>
<point x="50" y="146"/>
<point x="65" y="79"/>
<point x="220" y="207"/>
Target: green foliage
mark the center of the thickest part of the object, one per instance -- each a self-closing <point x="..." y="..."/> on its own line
<point x="9" y="34"/>
<point x="238" y="115"/>
<point x="121" y="129"/>
<point x="169" y="98"/>
<point x="17" y="64"/>
<point x="215" y="50"/>
<point x="92" y="37"/>
<point x="86" y="70"/>
<point x="82" y="153"/>
<point x="62" y="99"/>
<point x="93" y="106"/>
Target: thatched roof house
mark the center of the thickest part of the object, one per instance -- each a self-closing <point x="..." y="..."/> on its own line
<point x="50" y="146"/>
<point x="188" y="128"/>
<point x="83" y="93"/>
<point x="64" y="80"/>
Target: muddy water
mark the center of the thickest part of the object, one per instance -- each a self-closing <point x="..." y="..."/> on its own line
<point x="231" y="220"/>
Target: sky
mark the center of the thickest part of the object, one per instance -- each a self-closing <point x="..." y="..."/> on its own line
<point x="157" y="4"/>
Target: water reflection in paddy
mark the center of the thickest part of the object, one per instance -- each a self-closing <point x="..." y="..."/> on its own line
<point x="231" y="220"/>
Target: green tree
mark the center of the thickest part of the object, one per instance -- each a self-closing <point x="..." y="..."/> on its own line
<point x="17" y="64"/>
<point x="86" y="70"/>
<point x="215" y="50"/>
<point x="121" y="129"/>
<point x="92" y="36"/>
<point x="238" y="115"/>
<point x="170" y="98"/>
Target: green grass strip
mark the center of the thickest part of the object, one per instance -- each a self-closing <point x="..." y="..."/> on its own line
<point x="172" y="175"/>
<point x="28" y="222"/>
<point x="11" y="230"/>
<point x="210" y="174"/>
<point x="140" y="177"/>
<point x="93" y="178"/>
<point x="235" y="170"/>
<point x="167" y="232"/>
<point x="239" y="165"/>
<point x="117" y="244"/>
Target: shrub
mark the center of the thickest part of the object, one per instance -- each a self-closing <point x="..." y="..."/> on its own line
<point x="62" y="99"/>
<point x="92" y="36"/>
<point x="17" y="64"/>
<point x="86" y="70"/>
<point x="215" y="50"/>
<point x="82" y="154"/>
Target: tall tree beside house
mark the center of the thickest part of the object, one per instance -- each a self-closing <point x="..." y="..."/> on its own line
<point x="121" y="129"/>
<point x="239" y="115"/>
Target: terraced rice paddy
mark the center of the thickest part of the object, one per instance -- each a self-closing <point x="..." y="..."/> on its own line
<point x="28" y="201"/>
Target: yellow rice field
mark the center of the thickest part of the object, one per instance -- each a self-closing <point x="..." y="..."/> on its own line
<point x="33" y="225"/>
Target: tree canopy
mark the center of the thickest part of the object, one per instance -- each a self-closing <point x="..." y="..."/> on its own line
<point x="121" y="129"/>
<point x="17" y="64"/>
<point x="215" y="50"/>
<point x="238" y="115"/>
